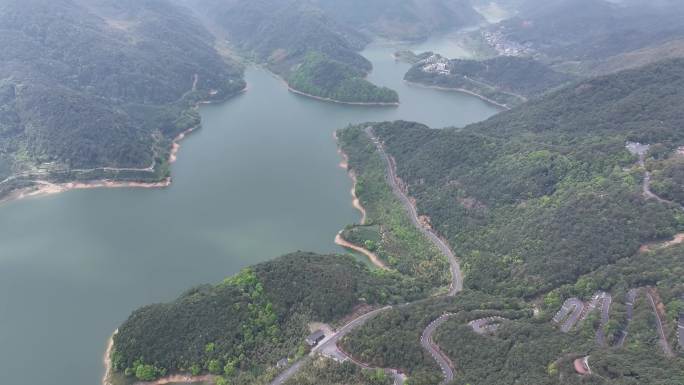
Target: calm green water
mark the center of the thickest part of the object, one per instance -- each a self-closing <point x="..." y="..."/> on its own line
<point x="259" y="180"/>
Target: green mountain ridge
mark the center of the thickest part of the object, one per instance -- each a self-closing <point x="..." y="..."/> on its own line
<point x="101" y="84"/>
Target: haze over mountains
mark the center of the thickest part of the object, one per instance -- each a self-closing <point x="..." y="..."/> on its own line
<point x="542" y="246"/>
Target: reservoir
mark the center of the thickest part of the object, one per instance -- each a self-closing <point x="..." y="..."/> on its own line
<point x="260" y="179"/>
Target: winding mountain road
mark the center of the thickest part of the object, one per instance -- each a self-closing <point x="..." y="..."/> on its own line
<point x="429" y="344"/>
<point x="570" y="312"/>
<point x="328" y="347"/>
<point x="456" y="274"/>
<point x="605" y="301"/>
<point x="680" y="330"/>
<point x="456" y="285"/>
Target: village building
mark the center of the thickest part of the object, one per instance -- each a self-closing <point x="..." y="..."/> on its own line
<point x="315" y="338"/>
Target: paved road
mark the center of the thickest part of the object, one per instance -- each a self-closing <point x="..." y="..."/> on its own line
<point x="328" y="347"/>
<point x="291" y="371"/>
<point x="680" y="330"/>
<point x="571" y="312"/>
<point x="457" y="278"/>
<point x="629" y="304"/>
<point x="605" y="300"/>
<point x="661" y="330"/>
<point x="428" y="344"/>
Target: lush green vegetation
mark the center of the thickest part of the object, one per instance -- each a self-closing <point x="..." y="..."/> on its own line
<point x="524" y="351"/>
<point x="531" y="350"/>
<point x="310" y="44"/>
<point x="320" y="76"/>
<point x="244" y="325"/>
<point x="506" y="80"/>
<point x="392" y="339"/>
<point x="668" y="177"/>
<point x="328" y="372"/>
<point x="394" y="238"/>
<point x="537" y="196"/>
<point x="103" y="85"/>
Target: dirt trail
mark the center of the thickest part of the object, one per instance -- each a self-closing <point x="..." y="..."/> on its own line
<point x="339" y="240"/>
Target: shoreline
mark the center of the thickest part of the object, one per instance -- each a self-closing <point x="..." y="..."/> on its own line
<point x="45" y="188"/>
<point x="172" y="379"/>
<point x="374" y="259"/>
<point x="324" y="99"/>
<point x="461" y="90"/>
<point x="107" y="360"/>
<point x="356" y="202"/>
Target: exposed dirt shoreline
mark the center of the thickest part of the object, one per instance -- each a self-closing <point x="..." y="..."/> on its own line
<point x="339" y="240"/>
<point x="355" y="199"/>
<point x="461" y="90"/>
<point x="172" y="379"/>
<point x="106" y="379"/>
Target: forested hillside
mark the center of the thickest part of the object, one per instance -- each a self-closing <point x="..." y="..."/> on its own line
<point x="287" y="34"/>
<point x="507" y="80"/>
<point x="543" y="202"/>
<point x="535" y="197"/>
<point x="241" y="327"/>
<point x="321" y="76"/>
<point x="90" y="84"/>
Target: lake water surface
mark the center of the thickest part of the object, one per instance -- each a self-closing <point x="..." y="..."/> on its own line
<point x="260" y="179"/>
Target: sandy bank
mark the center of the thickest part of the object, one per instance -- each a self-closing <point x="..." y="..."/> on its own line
<point x="44" y="188"/>
<point x="107" y="360"/>
<point x="355" y="199"/>
<point x="181" y="378"/>
<point x="375" y="260"/>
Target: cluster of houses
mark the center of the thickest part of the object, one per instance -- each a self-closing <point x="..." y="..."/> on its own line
<point x="435" y="64"/>
<point x="503" y="46"/>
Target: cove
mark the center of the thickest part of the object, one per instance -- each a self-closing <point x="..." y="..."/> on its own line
<point x="260" y="179"/>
